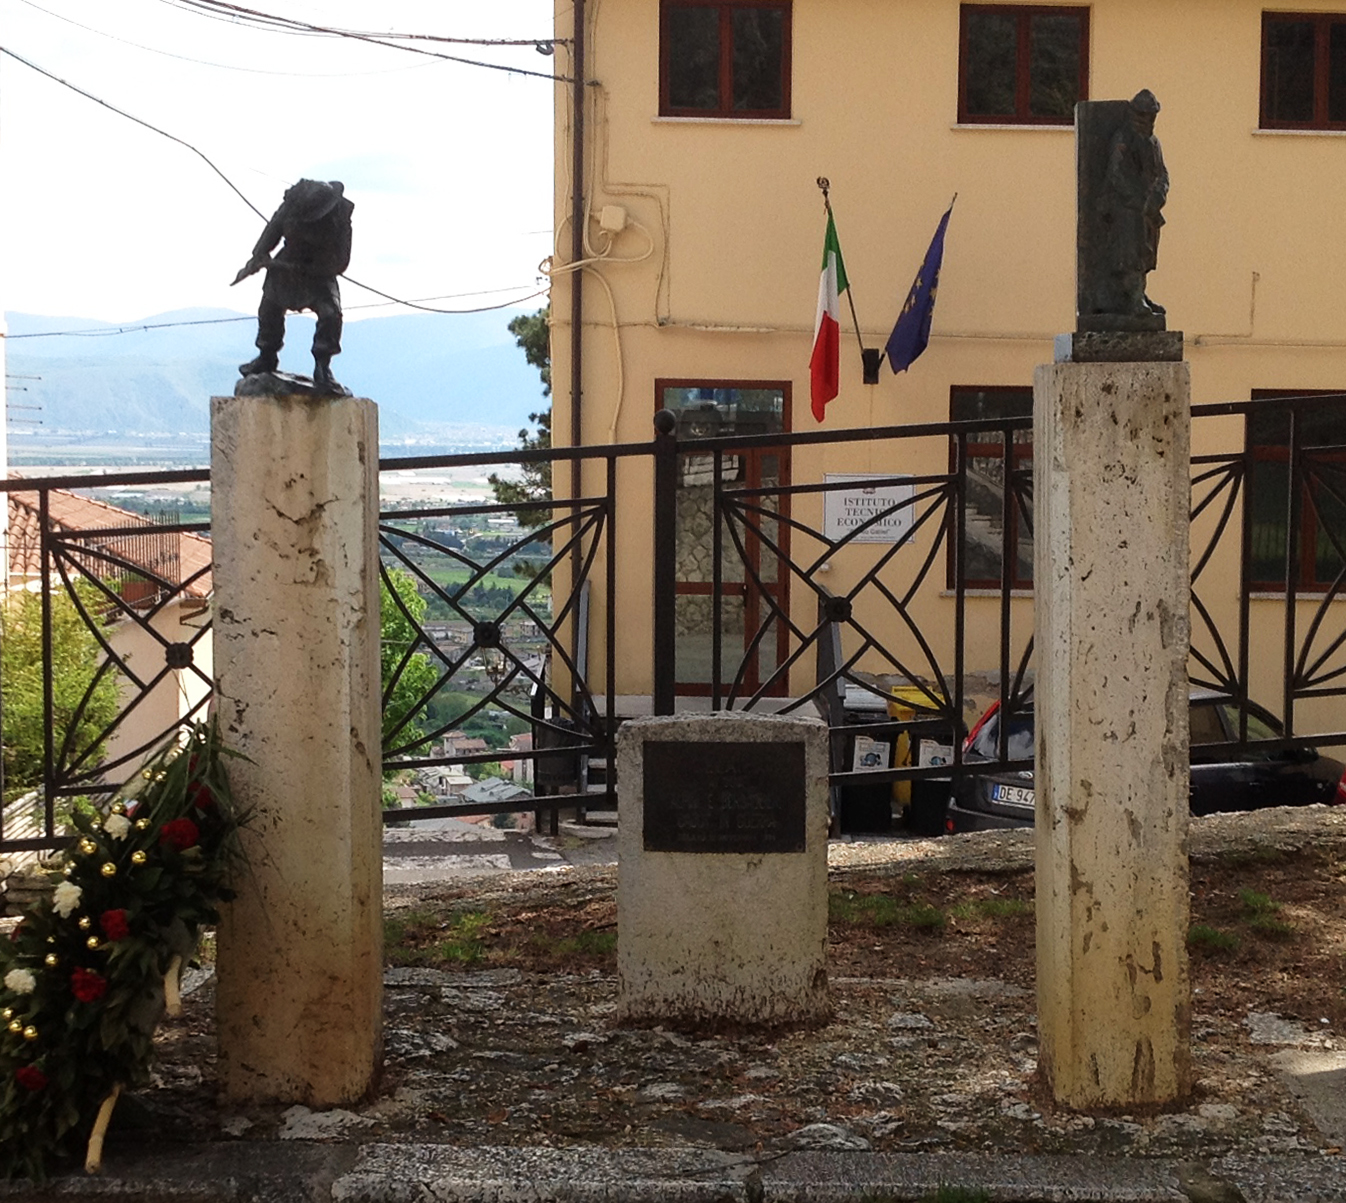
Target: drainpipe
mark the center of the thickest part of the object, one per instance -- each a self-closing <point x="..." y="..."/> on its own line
<point x="577" y="220"/>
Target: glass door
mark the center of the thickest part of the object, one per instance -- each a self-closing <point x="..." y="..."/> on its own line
<point x="753" y="582"/>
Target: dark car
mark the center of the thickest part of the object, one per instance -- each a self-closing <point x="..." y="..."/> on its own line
<point x="1289" y="774"/>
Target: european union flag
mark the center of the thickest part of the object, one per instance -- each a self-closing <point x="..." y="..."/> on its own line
<point x="911" y="335"/>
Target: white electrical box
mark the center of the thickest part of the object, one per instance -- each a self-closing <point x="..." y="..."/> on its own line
<point x="612" y="218"/>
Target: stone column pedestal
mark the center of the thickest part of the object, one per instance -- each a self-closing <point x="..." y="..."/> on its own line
<point x="295" y="527"/>
<point x="1110" y="465"/>
<point x="722" y="887"/>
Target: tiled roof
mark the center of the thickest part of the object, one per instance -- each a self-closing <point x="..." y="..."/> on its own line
<point x="171" y="556"/>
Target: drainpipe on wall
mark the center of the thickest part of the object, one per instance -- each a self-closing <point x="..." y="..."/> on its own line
<point x="577" y="220"/>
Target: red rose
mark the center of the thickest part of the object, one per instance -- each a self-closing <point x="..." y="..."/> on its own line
<point x="200" y="796"/>
<point x="179" y="833"/>
<point x="114" y="924"/>
<point x="88" y="986"/>
<point x="30" y="1077"/>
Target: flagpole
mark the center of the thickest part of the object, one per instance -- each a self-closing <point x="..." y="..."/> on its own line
<point x="825" y="184"/>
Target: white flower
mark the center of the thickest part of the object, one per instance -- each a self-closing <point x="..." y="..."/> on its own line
<point x="65" y="899"/>
<point x="117" y="826"/>
<point x="20" y="981"/>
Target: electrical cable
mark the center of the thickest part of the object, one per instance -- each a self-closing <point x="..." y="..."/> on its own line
<point x="234" y="188"/>
<point x="430" y="309"/>
<point x="200" y="62"/>
<point x="233" y="12"/>
<point x="215" y="8"/>
<point x="65" y="83"/>
<point x="137" y="328"/>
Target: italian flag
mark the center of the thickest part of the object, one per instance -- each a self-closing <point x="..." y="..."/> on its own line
<point x="825" y="364"/>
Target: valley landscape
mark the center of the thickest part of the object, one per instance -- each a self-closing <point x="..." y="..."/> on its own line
<point x="84" y="393"/>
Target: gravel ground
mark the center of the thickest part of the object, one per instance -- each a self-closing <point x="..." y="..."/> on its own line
<point x="941" y="1063"/>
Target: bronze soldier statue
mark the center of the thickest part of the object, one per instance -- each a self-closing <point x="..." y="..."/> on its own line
<point x="314" y="219"/>
<point x="1123" y="187"/>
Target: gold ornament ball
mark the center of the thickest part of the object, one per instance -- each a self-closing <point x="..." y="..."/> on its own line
<point x="69" y="869"/>
<point x="119" y="808"/>
<point x="30" y="1032"/>
<point x="51" y="939"/>
<point x="85" y="923"/>
<point x="7" y="1013"/>
<point x="109" y="869"/>
<point x="16" y="1025"/>
<point x="138" y="857"/>
<point x="87" y="846"/>
<point x="92" y="943"/>
<point x="142" y="824"/>
<point x="147" y="774"/>
<point x="52" y="960"/>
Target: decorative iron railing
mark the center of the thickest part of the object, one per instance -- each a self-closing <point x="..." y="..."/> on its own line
<point x="1269" y="562"/>
<point x="887" y="621"/>
<point x="530" y="642"/>
<point x="873" y="633"/>
<point x="136" y="592"/>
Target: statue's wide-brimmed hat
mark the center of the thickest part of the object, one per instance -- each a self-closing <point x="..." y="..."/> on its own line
<point x="1145" y="101"/>
<point x="315" y="199"/>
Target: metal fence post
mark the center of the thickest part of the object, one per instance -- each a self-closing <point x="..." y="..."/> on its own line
<point x="665" y="558"/>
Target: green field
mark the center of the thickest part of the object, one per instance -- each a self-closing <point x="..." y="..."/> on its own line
<point x="449" y="576"/>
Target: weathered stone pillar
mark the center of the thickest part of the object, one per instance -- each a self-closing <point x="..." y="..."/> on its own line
<point x="1111" y="462"/>
<point x="294" y="519"/>
<point x="722" y="890"/>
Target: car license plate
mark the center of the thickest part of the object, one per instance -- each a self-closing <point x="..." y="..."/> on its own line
<point x="1012" y="793"/>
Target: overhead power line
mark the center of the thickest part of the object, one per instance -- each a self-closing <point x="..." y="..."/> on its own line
<point x="140" y="327"/>
<point x="200" y="62"/>
<point x="237" y="14"/>
<point x="235" y="11"/>
<point x="65" y="83"/>
<point x="232" y="186"/>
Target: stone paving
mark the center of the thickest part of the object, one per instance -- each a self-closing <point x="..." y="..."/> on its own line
<point x="502" y="1084"/>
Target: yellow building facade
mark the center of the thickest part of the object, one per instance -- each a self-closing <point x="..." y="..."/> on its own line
<point x="705" y="126"/>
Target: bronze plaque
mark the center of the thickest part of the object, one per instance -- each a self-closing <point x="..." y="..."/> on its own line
<point x="724" y="797"/>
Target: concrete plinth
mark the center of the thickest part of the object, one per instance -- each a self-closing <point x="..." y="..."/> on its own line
<point x="294" y="519"/>
<point x="1111" y="463"/>
<point x="722" y="878"/>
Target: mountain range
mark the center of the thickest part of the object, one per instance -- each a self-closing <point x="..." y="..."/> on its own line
<point x="436" y="377"/>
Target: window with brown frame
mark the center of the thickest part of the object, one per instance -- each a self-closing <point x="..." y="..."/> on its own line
<point x="724" y="59"/>
<point x="1022" y="64"/>
<point x="996" y="460"/>
<point x="1303" y="71"/>
<point x="1322" y="493"/>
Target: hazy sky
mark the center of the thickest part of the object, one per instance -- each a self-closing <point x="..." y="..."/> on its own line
<point x="449" y="165"/>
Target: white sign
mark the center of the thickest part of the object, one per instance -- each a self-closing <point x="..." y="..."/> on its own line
<point x="845" y="508"/>
<point x="935" y="755"/>
<point x="870" y="753"/>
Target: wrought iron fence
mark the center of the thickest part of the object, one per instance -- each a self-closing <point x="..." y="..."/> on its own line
<point x="1275" y="512"/>
<point x="766" y="595"/>
<point x="132" y="595"/>
<point x="528" y="644"/>
<point x="868" y="646"/>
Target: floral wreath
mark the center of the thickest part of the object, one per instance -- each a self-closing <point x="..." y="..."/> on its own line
<point x="90" y="969"/>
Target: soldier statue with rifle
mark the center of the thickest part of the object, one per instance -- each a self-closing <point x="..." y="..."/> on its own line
<point x="314" y="219"/>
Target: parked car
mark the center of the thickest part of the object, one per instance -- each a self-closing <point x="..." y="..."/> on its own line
<point x="1292" y="774"/>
